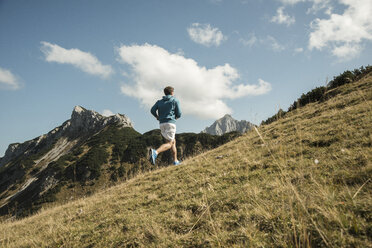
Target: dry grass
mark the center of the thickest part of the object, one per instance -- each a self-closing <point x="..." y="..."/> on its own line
<point x="303" y="181"/>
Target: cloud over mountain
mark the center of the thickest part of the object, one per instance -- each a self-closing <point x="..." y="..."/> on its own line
<point x="202" y="91"/>
<point x="82" y="60"/>
<point x="107" y="112"/>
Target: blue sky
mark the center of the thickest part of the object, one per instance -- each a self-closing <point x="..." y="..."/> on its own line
<point x="242" y="57"/>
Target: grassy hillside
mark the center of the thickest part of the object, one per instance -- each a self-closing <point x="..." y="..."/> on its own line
<point x="112" y="155"/>
<point x="301" y="181"/>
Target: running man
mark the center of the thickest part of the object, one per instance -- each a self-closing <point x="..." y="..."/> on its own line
<point x="167" y="111"/>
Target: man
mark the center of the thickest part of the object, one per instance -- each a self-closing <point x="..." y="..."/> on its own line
<point x="167" y="111"/>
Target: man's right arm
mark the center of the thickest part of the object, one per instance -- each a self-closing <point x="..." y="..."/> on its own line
<point x="153" y="110"/>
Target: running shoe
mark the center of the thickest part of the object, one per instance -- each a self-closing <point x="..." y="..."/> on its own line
<point x="176" y="162"/>
<point x="153" y="156"/>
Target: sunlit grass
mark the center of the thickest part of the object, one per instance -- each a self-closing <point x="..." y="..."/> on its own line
<point x="302" y="181"/>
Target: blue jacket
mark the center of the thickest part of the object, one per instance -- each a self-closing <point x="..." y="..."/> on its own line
<point x="168" y="109"/>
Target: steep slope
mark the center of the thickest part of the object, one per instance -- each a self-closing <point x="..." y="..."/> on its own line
<point x="228" y="124"/>
<point x="87" y="153"/>
<point x="301" y="181"/>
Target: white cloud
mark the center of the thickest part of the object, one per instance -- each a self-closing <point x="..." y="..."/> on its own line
<point x="267" y="41"/>
<point x="282" y="18"/>
<point x="82" y="60"/>
<point x="215" y="1"/>
<point x="298" y="50"/>
<point x="344" y="33"/>
<point x="8" y="80"/>
<point x="319" y="5"/>
<point x="273" y="43"/>
<point x="201" y="91"/>
<point x="107" y="112"/>
<point x="250" y="41"/>
<point x="205" y="34"/>
<point x="291" y="2"/>
<point x="347" y="51"/>
<point x="316" y="4"/>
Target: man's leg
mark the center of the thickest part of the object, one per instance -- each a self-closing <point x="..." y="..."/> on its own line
<point x="165" y="147"/>
<point x="174" y="150"/>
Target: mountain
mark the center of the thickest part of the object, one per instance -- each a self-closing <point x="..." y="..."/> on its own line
<point x="86" y="153"/>
<point x="303" y="180"/>
<point x="82" y="124"/>
<point x="228" y="124"/>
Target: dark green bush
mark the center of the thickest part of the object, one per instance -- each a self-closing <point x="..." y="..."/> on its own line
<point x="135" y="151"/>
<point x="121" y="171"/>
<point x="345" y="78"/>
<point x="76" y="152"/>
<point x="89" y="166"/>
<point x="281" y="113"/>
<point x="314" y="95"/>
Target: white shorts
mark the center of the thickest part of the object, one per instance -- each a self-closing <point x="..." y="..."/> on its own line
<point x="168" y="130"/>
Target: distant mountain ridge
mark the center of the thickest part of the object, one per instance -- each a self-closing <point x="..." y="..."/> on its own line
<point x="228" y="124"/>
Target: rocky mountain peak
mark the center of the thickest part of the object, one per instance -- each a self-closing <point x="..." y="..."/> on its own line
<point x="121" y="119"/>
<point x="228" y="124"/>
<point x="89" y="120"/>
<point x="78" y="109"/>
<point x="82" y="123"/>
<point x="85" y="120"/>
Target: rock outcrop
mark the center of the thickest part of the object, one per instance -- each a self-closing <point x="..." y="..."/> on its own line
<point x="228" y="124"/>
<point x="86" y="121"/>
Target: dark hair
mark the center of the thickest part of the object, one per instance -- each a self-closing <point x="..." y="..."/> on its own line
<point x="168" y="90"/>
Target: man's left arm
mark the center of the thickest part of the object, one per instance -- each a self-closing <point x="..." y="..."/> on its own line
<point x="177" y="110"/>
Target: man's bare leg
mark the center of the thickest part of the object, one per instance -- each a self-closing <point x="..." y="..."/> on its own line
<point x="174" y="150"/>
<point x="165" y="147"/>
